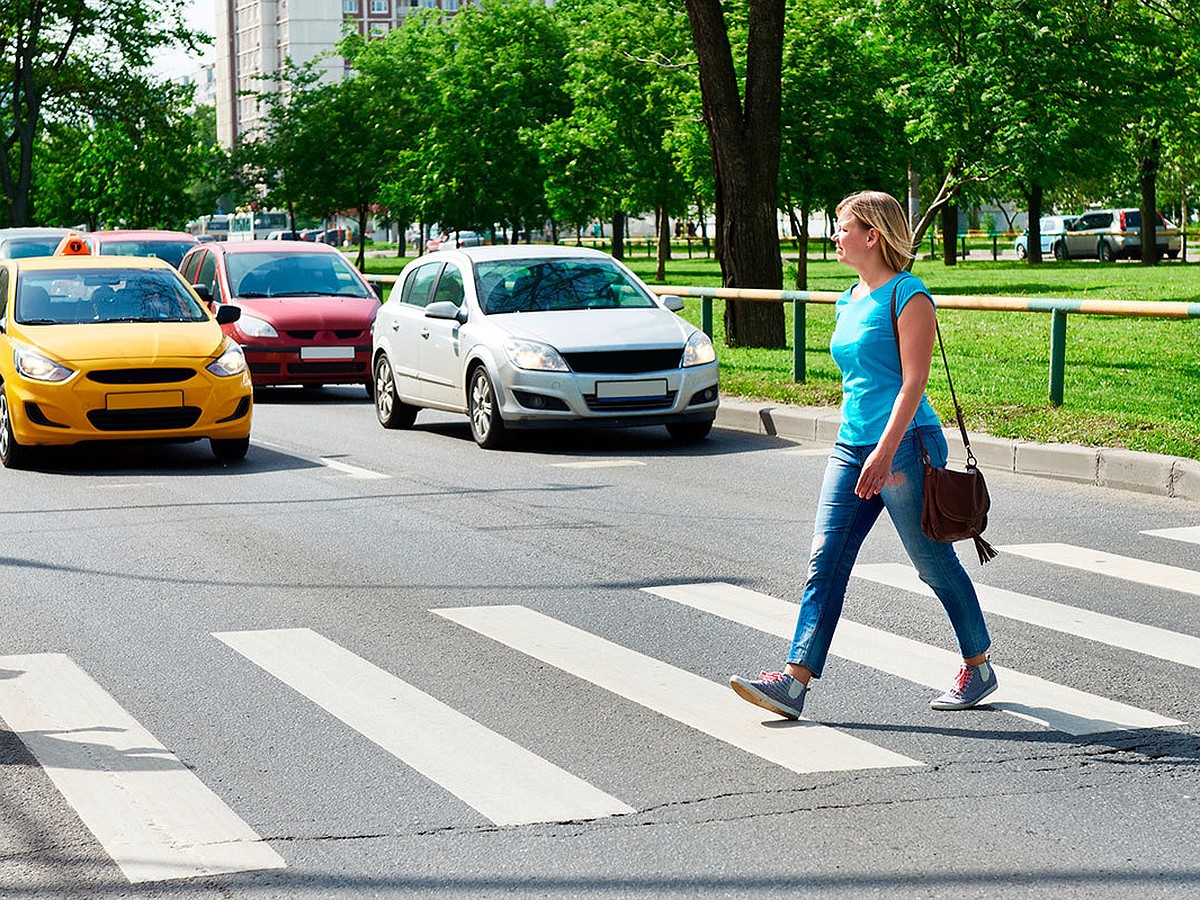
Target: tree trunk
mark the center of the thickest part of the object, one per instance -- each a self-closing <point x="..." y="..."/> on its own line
<point x="1148" y="179"/>
<point x="1033" y="245"/>
<point x="664" y="244"/>
<point x="362" y="236"/>
<point x="618" y="250"/>
<point x="744" y="144"/>
<point x="950" y="234"/>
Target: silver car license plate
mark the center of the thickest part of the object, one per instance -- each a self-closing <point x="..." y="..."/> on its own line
<point x="625" y="390"/>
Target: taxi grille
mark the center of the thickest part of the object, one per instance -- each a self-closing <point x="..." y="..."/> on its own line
<point x="140" y="376"/>
<point x="144" y="419"/>
<point x="624" y="362"/>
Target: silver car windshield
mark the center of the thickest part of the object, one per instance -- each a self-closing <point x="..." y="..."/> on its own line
<point x="74" y="297"/>
<point x="289" y="274"/>
<point x="540" y="285"/>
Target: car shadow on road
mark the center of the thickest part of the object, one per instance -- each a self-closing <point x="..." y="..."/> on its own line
<point x="584" y="442"/>
<point x="138" y="458"/>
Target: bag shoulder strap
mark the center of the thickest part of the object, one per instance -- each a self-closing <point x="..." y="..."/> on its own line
<point x="962" y="428"/>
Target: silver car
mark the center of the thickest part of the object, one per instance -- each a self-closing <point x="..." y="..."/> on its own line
<point x="525" y="337"/>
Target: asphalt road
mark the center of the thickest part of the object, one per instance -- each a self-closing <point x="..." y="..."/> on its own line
<point x="390" y="664"/>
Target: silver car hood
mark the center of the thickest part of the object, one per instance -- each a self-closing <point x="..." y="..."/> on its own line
<point x="598" y="329"/>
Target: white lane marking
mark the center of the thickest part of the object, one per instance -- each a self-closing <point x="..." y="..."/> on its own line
<point x="807" y="451"/>
<point x="1158" y="642"/>
<point x="1191" y="533"/>
<point x="1056" y="706"/>
<point x="688" y="698"/>
<point x="352" y="471"/>
<point x="599" y="464"/>
<point x="1124" y="567"/>
<point x="500" y="779"/>
<point x="344" y="468"/>
<point x="149" y="812"/>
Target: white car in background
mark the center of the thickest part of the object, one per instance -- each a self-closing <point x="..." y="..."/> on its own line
<point x="534" y="336"/>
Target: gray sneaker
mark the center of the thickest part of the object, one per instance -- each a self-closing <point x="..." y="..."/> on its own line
<point x="972" y="685"/>
<point x="781" y="694"/>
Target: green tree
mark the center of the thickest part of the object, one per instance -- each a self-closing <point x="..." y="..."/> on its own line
<point x="58" y="57"/>
<point x="138" y="165"/>
<point x="741" y="113"/>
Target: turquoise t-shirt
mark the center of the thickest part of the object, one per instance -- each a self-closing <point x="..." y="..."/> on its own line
<point x="865" y="350"/>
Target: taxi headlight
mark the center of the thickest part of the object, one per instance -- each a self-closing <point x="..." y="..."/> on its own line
<point x="534" y="355"/>
<point x="231" y="362"/>
<point x="253" y="326"/>
<point x="699" y="350"/>
<point x="33" y="365"/>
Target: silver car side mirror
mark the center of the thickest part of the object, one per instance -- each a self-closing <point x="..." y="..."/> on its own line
<point x="672" y="302"/>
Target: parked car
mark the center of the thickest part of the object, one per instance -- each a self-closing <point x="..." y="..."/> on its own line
<point x="19" y="243"/>
<point x="1110" y="234"/>
<point x="523" y="337"/>
<point x="101" y="348"/>
<point x="306" y="312"/>
<point x="169" y="246"/>
<point x="284" y="236"/>
<point x="1053" y="229"/>
<point x="468" y="239"/>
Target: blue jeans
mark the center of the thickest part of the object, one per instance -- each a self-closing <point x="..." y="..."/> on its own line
<point x="843" y="521"/>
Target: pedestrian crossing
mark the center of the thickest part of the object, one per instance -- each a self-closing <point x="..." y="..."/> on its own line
<point x="158" y="820"/>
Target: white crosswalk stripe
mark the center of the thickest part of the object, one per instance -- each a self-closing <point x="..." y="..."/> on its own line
<point x="1102" y="563"/>
<point x="1191" y="533"/>
<point x="501" y="780"/>
<point x="149" y="812"/>
<point x="1158" y="642"/>
<point x="1056" y="706"/>
<point x="688" y="698"/>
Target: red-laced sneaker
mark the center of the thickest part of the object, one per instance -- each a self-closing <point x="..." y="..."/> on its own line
<point x="780" y="693"/>
<point x="972" y="684"/>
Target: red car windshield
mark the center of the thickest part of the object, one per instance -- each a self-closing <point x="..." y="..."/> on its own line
<point x="284" y="274"/>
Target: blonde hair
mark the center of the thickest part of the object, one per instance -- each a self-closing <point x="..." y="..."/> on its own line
<point x="882" y="211"/>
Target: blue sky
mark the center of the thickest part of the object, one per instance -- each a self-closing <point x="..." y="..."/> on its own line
<point x="176" y="63"/>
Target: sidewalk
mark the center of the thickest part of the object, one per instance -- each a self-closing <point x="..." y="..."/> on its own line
<point x="1127" y="470"/>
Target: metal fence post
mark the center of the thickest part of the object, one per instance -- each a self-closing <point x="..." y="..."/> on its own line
<point x="1058" y="354"/>
<point x="799" y="340"/>
<point x="706" y="316"/>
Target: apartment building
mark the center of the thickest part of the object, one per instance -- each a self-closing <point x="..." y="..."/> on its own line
<point x="255" y="37"/>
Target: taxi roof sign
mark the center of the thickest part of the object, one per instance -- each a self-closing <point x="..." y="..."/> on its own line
<point x="72" y="245"/>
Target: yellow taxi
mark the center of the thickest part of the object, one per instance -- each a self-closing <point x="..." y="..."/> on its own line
<point x="96" y="348"/>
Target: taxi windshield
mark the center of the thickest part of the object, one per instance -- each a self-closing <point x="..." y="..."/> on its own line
<point x="77" y="297"/>
<point x="288" y="274"/>
<point x="534" y="285"/>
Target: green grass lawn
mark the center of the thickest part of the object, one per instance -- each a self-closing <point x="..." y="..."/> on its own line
<point x="1129" y="382"/>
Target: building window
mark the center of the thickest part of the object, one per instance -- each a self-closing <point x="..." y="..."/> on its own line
<point x="379" y="7"/>
<point x="350" y="7"/>
<point x="450" y="5"/>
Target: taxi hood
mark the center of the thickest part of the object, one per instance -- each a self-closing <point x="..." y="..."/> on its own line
<point x="132" y="343"/>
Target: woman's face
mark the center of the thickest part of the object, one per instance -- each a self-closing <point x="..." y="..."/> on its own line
<point x="854" y="240"/>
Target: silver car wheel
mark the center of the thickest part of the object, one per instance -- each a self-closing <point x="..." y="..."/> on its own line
<point x="482" y="405"/>
<point x="5" y="426"/>
<point x="384" y="388"/>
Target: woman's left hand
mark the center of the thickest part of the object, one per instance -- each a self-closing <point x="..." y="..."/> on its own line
<point x="876" y="474"/>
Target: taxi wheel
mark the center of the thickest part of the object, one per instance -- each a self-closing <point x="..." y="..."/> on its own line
<point x="12" y="454"/>
<point x="391" y="411"/>
<point x="229" y="449"/>
<point x="483" y="407"/>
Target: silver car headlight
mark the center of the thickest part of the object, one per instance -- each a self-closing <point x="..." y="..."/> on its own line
<point x="33" y="365"/>
<point x="253" y="326"/>
<point x="699" y="350"/>
<point x="534" y="355"/>
<point x="231" y="362"/>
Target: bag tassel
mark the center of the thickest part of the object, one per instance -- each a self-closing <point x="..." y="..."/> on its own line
<point x="985" y="550"/>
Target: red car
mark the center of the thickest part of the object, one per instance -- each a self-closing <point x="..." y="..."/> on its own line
<point x="169" y="246"/>
<point x="306" y="312"/>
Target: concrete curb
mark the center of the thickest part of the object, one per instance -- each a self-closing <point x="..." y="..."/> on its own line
<point x="1126" y="470"/>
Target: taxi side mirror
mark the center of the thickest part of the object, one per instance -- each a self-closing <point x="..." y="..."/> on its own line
<point x="227" y="314"/>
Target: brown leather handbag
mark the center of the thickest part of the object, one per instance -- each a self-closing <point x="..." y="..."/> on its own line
<point x="956" y="503"/>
